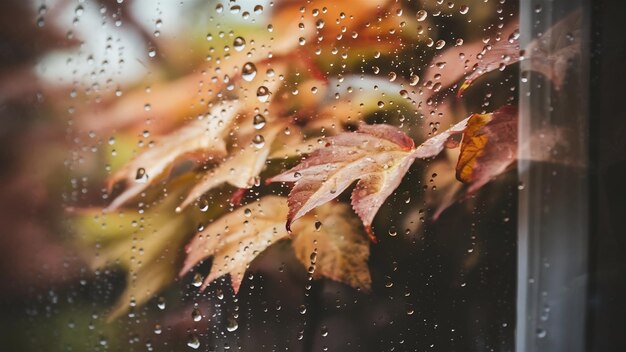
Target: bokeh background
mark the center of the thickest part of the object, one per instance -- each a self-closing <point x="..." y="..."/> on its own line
<point x="444" y="285"/>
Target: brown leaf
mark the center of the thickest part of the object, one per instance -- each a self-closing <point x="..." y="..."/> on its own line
<point x="376" y="155"/>
<point x="488" y="148"/>
<point x="338" y="251"/>
<point x="200" y="139"/>
<point x="235" y="239"/>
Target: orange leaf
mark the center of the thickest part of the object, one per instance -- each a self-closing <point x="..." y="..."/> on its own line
<point x="200" y="139"/>
<point x="242" y="167"/>
<point x="237" y="238"/>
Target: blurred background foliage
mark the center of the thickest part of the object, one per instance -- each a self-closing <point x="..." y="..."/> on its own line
<point x="85" y="85"/>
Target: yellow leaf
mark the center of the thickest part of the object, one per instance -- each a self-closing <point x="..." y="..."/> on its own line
<point x="337" y="249"/>
<point x="472" y="146"/>
<point x="146" y="247"/>
<point x="242" y="167"/>
<point x="235" y="239"/>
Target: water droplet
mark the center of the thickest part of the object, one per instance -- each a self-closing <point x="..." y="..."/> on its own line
<point x="141" y="176"/>
<point x="464" y="9"/>
<point x="258" y="9"/>
<point x="258" y="121"/>
<point x="541" y="333"/>
<point x="161" y="303"/>
<point x="263" y="94"/>
<point x="421" y="15"/>
<point x="318" y="225"/>
<point x="258" y="141"/>
<point x="196" y="315"/>
<point x="414" y="80"/>
<point x="381" y="104"/>
<point x="203" y="204"/>
<point x="388" y="282"/>
<point x="239" y="43"/>
<point x="197" y="280"/>
<point x="248" y="72"/>
<point x="232" y="325"/>
<point x="440" y="44"/>
<point x="392" y="76"/>
<point x="302" y="309"/>
<point x="193" y="341"/>
<point x="79" y="10"/>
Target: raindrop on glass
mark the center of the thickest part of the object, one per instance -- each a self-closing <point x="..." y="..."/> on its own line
<point x="421" y="15"/>
<point x="248" y="72"/>
<point x="263" y="94"/>
<point x="193" y="341"/>
<point x="258" y="121"/>
<point x="239" y="43"/>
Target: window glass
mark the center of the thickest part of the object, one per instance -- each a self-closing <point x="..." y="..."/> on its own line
<point x="258" y="175"/>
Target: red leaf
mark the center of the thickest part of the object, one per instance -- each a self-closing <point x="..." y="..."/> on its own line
<point x="376" y="155"/>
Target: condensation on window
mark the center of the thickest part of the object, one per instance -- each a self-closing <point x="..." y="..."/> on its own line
<point x="248" y="175"/>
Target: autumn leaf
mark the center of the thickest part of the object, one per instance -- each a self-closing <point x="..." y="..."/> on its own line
<point x="201" y="140"/>
<point x="235" y="239"/>
<point x="376" y="155"/>
<point x="488" y="148"/>
<point x="242" y="167"/>
<point x="334" y="247"/>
